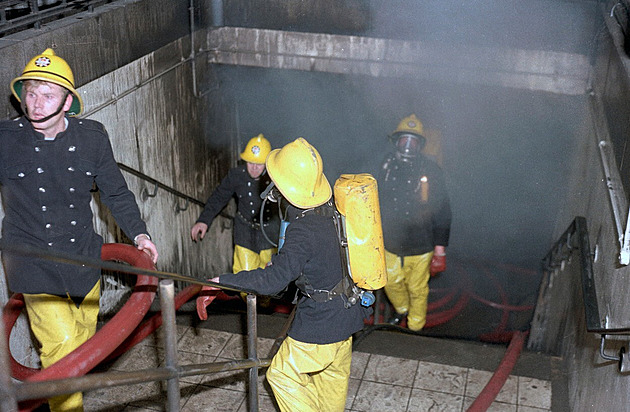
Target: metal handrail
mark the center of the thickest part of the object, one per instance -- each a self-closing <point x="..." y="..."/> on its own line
<point x="171" y="372"/>
<point x="575" y="240"/>
<point x="159" y="185"/>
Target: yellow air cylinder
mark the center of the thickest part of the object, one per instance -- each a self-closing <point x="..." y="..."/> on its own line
<point x="356" y="198"/>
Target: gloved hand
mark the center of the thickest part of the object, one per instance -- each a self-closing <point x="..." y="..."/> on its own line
<point x="206" y="295"/>
<point x="438" y="264"/>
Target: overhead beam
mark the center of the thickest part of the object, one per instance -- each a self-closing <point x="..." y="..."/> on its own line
<point x="555" y="72"/>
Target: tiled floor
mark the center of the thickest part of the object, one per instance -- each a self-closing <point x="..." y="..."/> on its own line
<point x="378" y="383"/>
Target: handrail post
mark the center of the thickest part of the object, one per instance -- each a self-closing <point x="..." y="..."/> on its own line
<point x="167" y="304"/>
<point x="252" y="352"/>
<point x="8" y="402"/>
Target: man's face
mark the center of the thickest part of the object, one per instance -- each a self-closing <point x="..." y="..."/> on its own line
<point x="43" y="99"/>
<point x="255" y="170"/>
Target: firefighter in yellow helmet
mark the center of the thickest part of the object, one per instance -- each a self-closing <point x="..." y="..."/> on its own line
<point x="49" y="163"/>
<point x="245" y="183"/>
<point x="416" y="219"/>
<point x="310" y="371"/>
<point x="48" y="68"/>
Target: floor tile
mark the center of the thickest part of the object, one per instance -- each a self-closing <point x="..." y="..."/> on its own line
<point x="378" y="383"/>
<point x="137" y="358"/>
<point x="353" y="388"/>
<point x="207" y="398"/>
<point x="359" y="364"/>
<point x="264" y="347"/>
<point x="534" y="393"/>
<point x="102" y="397"/>
<point x="156" y="338"/>
<point x="422" y="400"/>
<point x="235" y="380"/>
<point x="204" y="341"/>
<point x="189" y="358"/>
<point x="236" y="347"/>
<point x="442" y="378"/>
<point x="494" y="406"/>
<point x="477" y="380"/>
<point x="530" y="409"/>
<point x="374" y="396"/>
<point x="266" y="403"/>
<point x="154" y="396"/>
<point x="387" y="369"/>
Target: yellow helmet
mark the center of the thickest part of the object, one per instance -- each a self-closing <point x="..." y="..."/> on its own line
<point x="408" y="138"/>
<point x="51" y="68"/>
<point x="410" y="124"/>
<point x="297" y="172"/>
<point x="257" y="150"/>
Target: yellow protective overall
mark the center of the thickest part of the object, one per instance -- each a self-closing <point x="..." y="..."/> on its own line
<point x="407" y="286"/>
<point x="245" y="259"/>
<point x="61" y="327"/>
<point x="309" y="377"/>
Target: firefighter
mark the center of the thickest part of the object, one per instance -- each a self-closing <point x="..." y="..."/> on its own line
<point x="416" y="219"/>
<point x="311" y="369"/>
<point x="245" y="183"/>
<point x="49" y="164"/>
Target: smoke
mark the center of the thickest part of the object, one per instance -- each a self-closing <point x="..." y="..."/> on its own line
<point x="507" y="151"/>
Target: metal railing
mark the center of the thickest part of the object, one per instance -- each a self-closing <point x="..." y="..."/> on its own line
<point x="159" y="185"/>
<point x="11" y="393"/>
<point x="575" y="241"/>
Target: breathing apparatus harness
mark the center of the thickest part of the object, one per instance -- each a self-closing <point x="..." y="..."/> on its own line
<point x="346" y="288"/>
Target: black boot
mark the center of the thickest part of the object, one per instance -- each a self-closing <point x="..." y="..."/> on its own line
<point x="397" y="318"/>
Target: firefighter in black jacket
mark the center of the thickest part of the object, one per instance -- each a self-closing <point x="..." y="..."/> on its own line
<point x="416" y="219"/>
<point x="311" y="369"/>
<point x="245" y="183"/>
<point x="49" y="164"/>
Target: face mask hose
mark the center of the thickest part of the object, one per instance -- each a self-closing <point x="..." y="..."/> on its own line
<point x="272" y="194"/>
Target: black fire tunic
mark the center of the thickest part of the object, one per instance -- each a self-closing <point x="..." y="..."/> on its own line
<point x="46" y="191"/>
<point x="246" y="190"/>
<point x="415" y="207"/>
<point x="311" y="247"/>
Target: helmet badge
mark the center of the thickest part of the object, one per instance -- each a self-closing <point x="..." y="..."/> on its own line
<point x="255" y="150"/>
<point x="42" y="61"/>
<point x="411" y="124"/>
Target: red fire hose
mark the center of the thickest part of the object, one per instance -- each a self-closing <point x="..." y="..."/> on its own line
<point x="150" y="325"/>
<point x="108" y="338"/>
<point x="501" y="374"/>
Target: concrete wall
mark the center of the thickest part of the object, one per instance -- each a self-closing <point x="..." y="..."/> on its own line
<point x="594" y="382"/>
<point x="134" y="69"/>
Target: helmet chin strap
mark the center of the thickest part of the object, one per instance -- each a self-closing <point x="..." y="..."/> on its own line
<point x="50" y="116"/>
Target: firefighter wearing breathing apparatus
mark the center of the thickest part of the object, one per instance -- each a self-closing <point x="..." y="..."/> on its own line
<point x="49" y="163"/>
<point x="245" y="183"/>
<point x="416" y="216"/>
<point x="311" y="369"/>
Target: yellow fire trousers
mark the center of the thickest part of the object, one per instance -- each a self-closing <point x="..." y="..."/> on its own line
<point x="61" y="327"/>
<point x="245" y="259"/>
<point x="308" y="377"/>
<point x="407" y="286"/>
